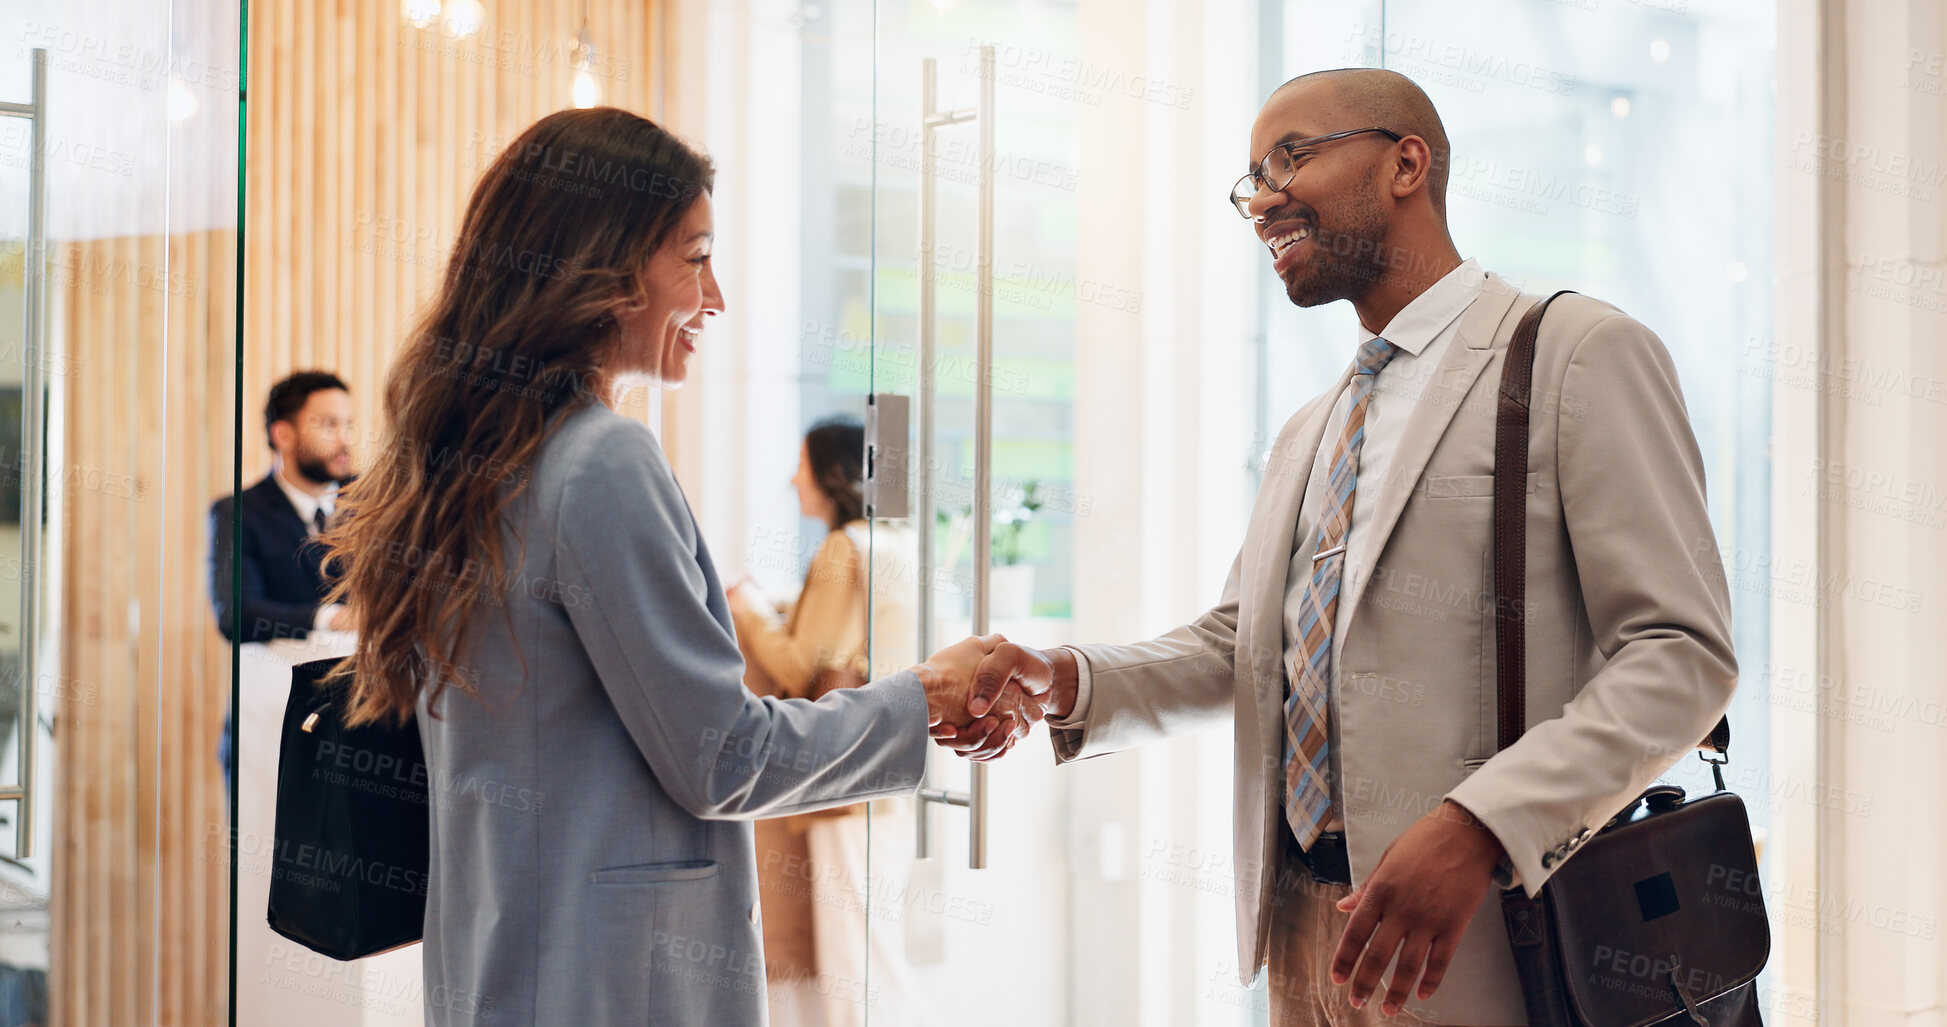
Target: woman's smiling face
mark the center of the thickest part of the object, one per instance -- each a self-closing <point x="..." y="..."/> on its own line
<point x="659" y="337"/>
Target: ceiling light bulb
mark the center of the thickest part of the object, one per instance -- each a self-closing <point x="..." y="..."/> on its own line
<point x="1659" y="50"/>
<point x="1619" y="106"/>
<point x="587" y="91"/>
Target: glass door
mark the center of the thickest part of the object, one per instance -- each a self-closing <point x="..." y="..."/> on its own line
<point x="1076" y="472"/>
<point x="1090" y="356"/>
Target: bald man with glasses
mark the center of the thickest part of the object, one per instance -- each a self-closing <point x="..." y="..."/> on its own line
<point x="1370" y="831"/>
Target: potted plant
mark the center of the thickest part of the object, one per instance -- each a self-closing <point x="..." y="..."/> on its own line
<point x="1011" y="582"/>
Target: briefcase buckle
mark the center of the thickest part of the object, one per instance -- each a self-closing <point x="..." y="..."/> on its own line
<point x="1716" y="765"/>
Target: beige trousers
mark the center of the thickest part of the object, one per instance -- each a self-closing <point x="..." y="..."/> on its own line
<point x="1305" y="930"/>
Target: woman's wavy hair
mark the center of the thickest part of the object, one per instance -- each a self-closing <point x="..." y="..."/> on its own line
<point x="555" y="238"/>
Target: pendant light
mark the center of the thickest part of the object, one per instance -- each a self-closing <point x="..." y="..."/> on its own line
<point x="587" y="92"/>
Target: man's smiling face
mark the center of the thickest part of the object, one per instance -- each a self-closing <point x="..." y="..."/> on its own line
<point x="1323" y="230"/>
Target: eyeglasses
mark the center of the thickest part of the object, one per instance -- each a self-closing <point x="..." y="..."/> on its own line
<point x="1274" y="172"/>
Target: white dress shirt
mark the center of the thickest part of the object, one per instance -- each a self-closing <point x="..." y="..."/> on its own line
<point x="307" y="506"/>
<point x="1422" y="331"/>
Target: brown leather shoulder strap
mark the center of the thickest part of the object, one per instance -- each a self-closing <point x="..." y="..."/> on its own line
<point x="1511" y="536"/>
<point x="1511" y="526"/>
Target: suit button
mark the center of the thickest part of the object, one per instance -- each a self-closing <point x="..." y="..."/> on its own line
<point x="1547" y="860"/>
<point x="753" y="912"/>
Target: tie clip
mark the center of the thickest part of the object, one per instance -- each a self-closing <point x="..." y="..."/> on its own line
<point x="1329" y="553"/>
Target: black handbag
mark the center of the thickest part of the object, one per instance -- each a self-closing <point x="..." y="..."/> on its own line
<point x="1658" y="917"/>
<point x="350" y="855"/>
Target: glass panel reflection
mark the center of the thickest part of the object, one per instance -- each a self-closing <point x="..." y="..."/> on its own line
<point x="25" y="889"/>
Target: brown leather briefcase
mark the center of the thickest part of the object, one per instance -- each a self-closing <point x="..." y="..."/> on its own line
<point x="1658" y="917"/>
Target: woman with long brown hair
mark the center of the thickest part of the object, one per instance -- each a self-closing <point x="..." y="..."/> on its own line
<point x="531" y="584"/>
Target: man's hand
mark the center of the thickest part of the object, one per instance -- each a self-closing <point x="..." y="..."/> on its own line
<point x="1418" y="901"/>
<point x="980" y="703"/>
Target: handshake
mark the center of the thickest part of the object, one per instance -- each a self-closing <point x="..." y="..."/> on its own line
<point x="984" y="694"/>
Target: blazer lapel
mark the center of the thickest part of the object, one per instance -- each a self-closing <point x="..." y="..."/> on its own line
<point x="1472" y="350"/>
<point x="294" y="532"/>
<point x="278" y="506"/>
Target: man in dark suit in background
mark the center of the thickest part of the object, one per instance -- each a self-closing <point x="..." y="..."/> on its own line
<point x="270" y="525"/>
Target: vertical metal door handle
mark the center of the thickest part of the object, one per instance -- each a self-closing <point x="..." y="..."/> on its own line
<point x="983" y="497"/>
<point x="931" y="120"/>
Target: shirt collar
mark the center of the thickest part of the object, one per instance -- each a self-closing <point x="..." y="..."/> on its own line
<point x="1421" y="321"/>
<point x="303" y="502"/>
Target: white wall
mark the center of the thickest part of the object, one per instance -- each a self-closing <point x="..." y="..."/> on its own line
<point x="1860" y="493"/>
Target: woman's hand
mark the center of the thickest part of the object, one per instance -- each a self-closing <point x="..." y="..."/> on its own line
<point x="948" y="677"/>
<point x="744" y="595"/>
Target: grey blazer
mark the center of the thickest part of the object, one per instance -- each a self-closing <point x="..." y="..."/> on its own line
<point x="592" y="859"/>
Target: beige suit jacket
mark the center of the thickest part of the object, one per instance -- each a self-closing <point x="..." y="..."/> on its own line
<point x="1629" y="643"/>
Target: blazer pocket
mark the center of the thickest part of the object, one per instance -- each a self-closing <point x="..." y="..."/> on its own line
<point x="1468" y="486"/>
<point x="653" y="873"/>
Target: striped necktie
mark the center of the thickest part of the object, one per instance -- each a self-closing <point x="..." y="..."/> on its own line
<point x="1308" y="796"/>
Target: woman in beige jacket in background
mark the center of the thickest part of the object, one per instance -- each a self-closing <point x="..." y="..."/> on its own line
<point x="812" y="868"/>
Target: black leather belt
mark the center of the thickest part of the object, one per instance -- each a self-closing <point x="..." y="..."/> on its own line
<point x="1326" y="859"/>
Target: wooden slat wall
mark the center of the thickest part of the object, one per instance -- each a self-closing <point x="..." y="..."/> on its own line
<point x="140" y="933"/>
<point x="365" y="138"/>
<point x="94" y="788"/>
